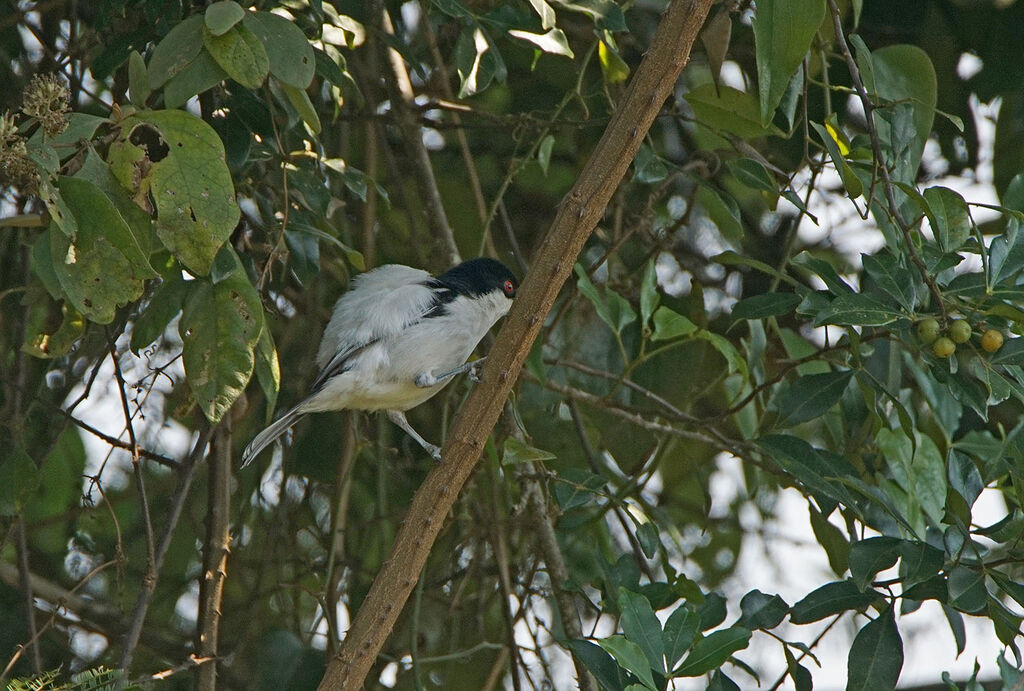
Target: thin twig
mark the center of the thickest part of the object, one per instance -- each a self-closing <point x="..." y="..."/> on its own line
<point x="186" y="472"/>
<point x="25" y="584"/>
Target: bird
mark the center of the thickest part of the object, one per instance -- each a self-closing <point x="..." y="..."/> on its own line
<point x="396" y="338"/>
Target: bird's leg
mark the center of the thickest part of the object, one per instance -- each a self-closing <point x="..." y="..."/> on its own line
<point x="425" y="380"/>
<point x="398" y="417"/>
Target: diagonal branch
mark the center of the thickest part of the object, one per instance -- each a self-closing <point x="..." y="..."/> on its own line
<point x="580" y="211"/>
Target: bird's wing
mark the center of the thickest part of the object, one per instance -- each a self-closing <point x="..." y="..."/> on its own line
<point x="381" y="303"/>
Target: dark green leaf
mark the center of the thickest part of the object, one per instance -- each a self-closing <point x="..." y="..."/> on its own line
<point x="762" y="611"/>
<point x="599" y="662"/>
<point x="291" y="56"/>
<point x="809" y="397"/>
<point x="681" y="630"/>
<point x="630" y="657"/>
<point x="477" y="61"/>
<point x="831" y="538"/>
<point x="967" y="589"/>
<point x="921" y="561"/>
<point x="765" y="305"/>
<point x="720" y="682"/>
<point x="576" y="488"/>
<point x="177" y="49"/>
<point x="138" y="79"/>
<point x="950" y="212"/>
<point x="649" y="539"/>
<point x="515" y="451"/>
<point x="160" y="310"/>
<point x="648" y="167"/>
<point x="869" y="556"/>
<point x="731" y="110"/>
<point x="851" y="182"/>
<point x="857" y="310"/>
<point x="829" y="599"/>
<point x="783" y="30"/>
<point x="904" y="73"/>
<point x="641" y="626"/>
<point x="956" y="625"/>
<point x="806" y="464"/>
<point x="876" y="656"/>
<point x="711" y="651"/>
<point x="897" y="281"/>
<point x="268" y="370"/>
<point x="712" y="611"/>
<point x="222" y="15"/>
<point x="201" y="74"/>
<point x="964" y="477"/>
<point x="649" y="297"/>
<point x="754" y="175"/>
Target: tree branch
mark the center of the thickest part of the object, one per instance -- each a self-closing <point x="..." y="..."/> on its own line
<point x="581" y="210"/>
<point x="215" y="554"/>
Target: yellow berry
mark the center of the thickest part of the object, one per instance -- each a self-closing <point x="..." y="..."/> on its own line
<point x="960" y="331"/>
<point x="928" y="330"/>
<point x="991" y="341"/>
<point x="943" y="347"/>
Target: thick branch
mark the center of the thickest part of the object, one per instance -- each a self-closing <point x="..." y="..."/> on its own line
<point x="215" y="555"/>
<point x="576" y="219"/>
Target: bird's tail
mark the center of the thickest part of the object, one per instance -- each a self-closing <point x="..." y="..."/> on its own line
<point x="272" y="432"/>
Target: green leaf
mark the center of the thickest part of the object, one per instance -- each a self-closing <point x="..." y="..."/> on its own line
<point x="554" y="41"/>
<point x="476" y="60"/>
<point x="712" y="611"/>
<point x="544" y="11"/>
<point x="138" y="79"/>
<point x="721" y="208"/>
<point x="897" y="281"/>
<point x="641" y="626"/>
<point x="831" y="538"/>
<point x="515" y="451"/>
<point x="221" y="16"/>
<point x="219" y="327"/>
<point x="765" y="305"/>
<point x="869" y="556"/>
<point x="613" y="309"/>
<point x="200" y="75"/>
<point x="576" y="488"/>
<point x="809" y="397"/>
<point x="857" y="309"/>
<point x="614" y="69"/>
<point x="96" y="171"/>
<point x="720" y="682"/>
<point x="177" y="49"/>
<point x="162" y="307"/>
<point x="291" y="56"/>
<point x="829" y="599"/>
<point x="903" y="73"/>
<point x="268" y="370"/>
<point x="241" y="54"/>
<point x="649" y="538"/>
<point x="303" y="106"/>
<point x="783" y="31"/>
<point x="967" y="589"/>
<point x="544" y="152"/>
<point x="851" y="182"/>
<point x="192" y="187"/>
<point x="950" y="213"/>
<point x="649" y="297"/>
<point x="876" y="656"/>
<point x="762" y="611"/>
<point x="814" y="469"/>
<point x="600" y="663"/>
<point x="669" y="325"/>
<point x="103" y="268"/>
<point x="648" y="167"/>
<point x="711" y="651"/>
<point x="681" y="629"/>
<point x="731" y="110"/>
<point x="629" y="656"/>
<point x="754" y="175"/>
<point x="921" y="561"/>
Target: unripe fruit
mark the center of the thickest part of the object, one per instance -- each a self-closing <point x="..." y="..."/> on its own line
<point x="991" y="341"/>
<point x="960" y="331"/>
<point x="944" y="347"/>
<point x="928" y="330"/>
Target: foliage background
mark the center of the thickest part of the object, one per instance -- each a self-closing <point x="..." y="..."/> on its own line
<point x="709" y="322"/>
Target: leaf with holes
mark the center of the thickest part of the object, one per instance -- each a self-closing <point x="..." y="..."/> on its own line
<point x="191" y="184"/>
<point x="219" y="327"/>
<point x="103" y="268"/>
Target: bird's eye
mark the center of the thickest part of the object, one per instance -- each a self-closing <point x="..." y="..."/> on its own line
<point x="509" y="288"/>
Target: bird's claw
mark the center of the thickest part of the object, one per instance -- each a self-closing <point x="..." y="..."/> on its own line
<point x="474" y="371"/>
<point x="434" y="451"/>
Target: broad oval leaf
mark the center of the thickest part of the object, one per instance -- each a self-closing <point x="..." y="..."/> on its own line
<point x="192" y="187"/>
<point x="681" y="630"/>
<point x="219" y="326"/>
<point x="868" y="557"/>
<point x="766" y="305"/>
<point x="712" y="650"/>
<point x="222" y="15"/>
<point x="762" y="611"/>
<point x="291" y="56"/>
<point x="177" y="49"/>
<point x="857" y="309"/>
<point x="731" y="110"/>
<point x="240" y="54"/>
<point x="630" y="657"/>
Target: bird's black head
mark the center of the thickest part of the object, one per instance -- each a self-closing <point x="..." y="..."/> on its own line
<point x="479" y="276"/>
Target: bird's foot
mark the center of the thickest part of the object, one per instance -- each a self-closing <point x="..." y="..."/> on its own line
<point x="425" y="380"/>
<point x="474" y="370"/>
<point x="434" y="451"/>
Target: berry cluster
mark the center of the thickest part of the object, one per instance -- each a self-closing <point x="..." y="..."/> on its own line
<point x="930" y="332"/>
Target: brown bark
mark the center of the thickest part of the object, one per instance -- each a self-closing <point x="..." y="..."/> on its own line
<point x="579" y="214"/>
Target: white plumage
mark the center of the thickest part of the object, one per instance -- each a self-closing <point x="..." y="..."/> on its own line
<point x="396" y="338"/>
